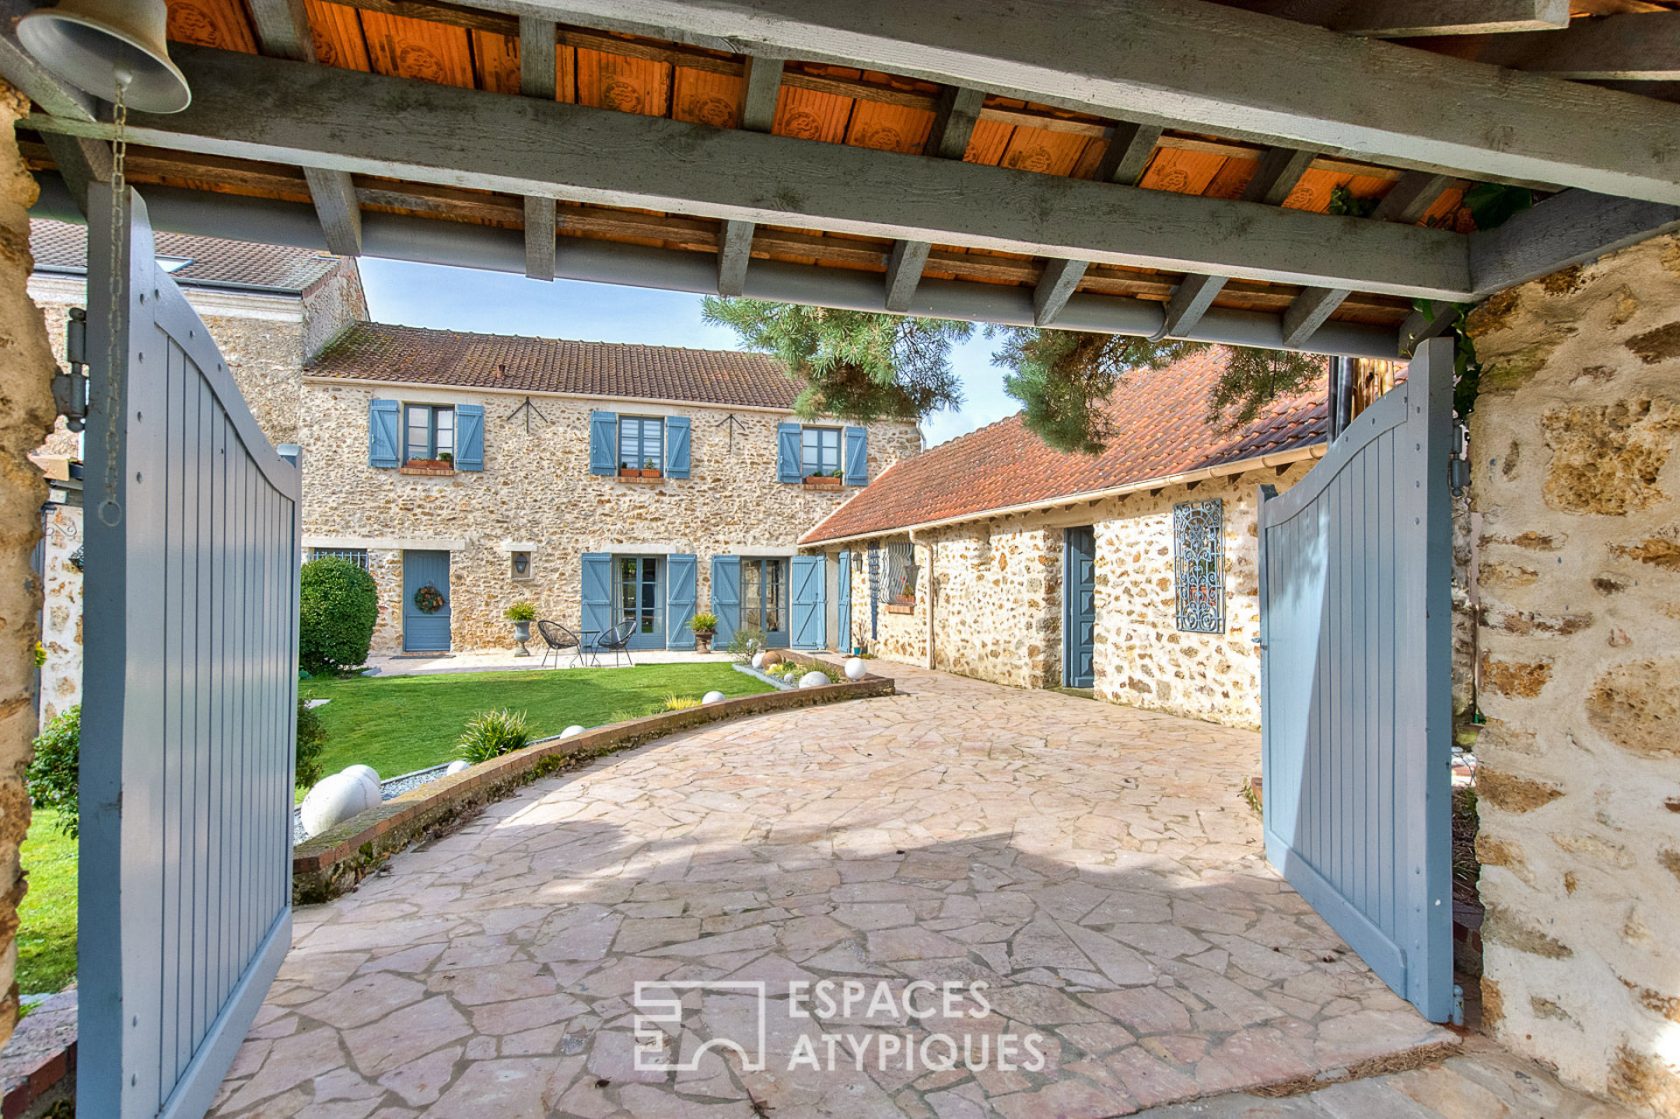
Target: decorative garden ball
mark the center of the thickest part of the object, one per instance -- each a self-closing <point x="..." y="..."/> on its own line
<point x="332" y="801"/>
<point x="813" y="680"/>
<point x="571" y="730"/>
<point x="856" y="669"/>
<point x="456" y="767"/>
<point x="758" y="660"/>
<point x="368" y="779"/>
<point x="712" y="697"/>
<point x="772" y="657"/>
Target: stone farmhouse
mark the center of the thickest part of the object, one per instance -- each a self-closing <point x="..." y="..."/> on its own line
<point x="1132" y="573"/>
<point x="600" y="482"/>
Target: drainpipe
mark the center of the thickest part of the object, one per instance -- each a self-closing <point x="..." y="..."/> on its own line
<point x="932" y="595"/>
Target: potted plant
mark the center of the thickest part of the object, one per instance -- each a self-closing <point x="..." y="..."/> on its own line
<point x="650" y="468"/>
<point x="448" y="459"/>
<point x="704" y="626"/>
<point x="823" y="481"/>
<point x="521" y="614"/>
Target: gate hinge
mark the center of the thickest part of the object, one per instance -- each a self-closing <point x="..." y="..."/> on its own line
<point x="1458" y="464"/>
<point x="70" y="389"/>
<point x="1458" y="1005"/>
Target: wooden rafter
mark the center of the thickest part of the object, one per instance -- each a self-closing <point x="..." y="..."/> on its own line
<point x="1640" y="47"/>
<point x="1394" y="19"/>
<point x="536" y="79"/>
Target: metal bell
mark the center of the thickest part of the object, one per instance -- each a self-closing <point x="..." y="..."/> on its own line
<point x="101" y="45"/>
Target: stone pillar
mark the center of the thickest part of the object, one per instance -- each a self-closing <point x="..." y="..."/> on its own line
<point x="26" y="419"/>
<point x="1577" y="477"/>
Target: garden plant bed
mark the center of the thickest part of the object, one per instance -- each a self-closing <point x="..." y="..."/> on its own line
<point x="334" y="861"/>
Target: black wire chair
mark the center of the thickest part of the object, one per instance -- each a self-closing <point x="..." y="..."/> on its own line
<point x="617" y="641"/>
<point x="559" y="640"/>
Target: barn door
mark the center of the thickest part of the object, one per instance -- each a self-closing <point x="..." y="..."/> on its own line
<point x="190" y="697"/>
<point x="1356" y="688"/>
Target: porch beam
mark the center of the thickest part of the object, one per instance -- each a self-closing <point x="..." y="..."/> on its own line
<point x="82" y="162"/>
<point x="282" y="28"/>
<point x="1392" y="19"/>
<point x="953" y="127"/>
<point x="763" y="77"/>
<point x="1569" y="228"/>
<point x="904" y="272"/>
<point x="536" y="79"/>
<point x="1124" y="161"/>
<point x="1311" y="310"/>
<point x="1635" y="47"/>
<point x="1250" y="75"/>
<point x="250" y="107"/>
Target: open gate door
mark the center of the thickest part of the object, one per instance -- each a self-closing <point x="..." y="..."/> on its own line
<point x="1355" y="569"/>
<point x="190" y="696"/>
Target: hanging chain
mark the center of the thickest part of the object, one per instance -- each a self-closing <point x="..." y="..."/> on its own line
<point x="111" y="510"/>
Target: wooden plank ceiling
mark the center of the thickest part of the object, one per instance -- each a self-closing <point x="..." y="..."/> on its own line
<point x="436" y="42"/>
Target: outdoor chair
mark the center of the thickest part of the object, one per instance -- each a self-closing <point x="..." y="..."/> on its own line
<point x="559" y="640"/>
<point x="617" y="641"/>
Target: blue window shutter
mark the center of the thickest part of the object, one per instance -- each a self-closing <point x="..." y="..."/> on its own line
<point x="597" y="593"/>
<point x="843" y="608"/>
<point x="383" y="447"/>
<point x="726" y="598"/>
<point x="676" y="448"/>
<point x="469" y="437"/>
<point x="809" y="602"/>
<point x="603" y="442"/>
<point x="857" y="456"/>
<point x="787" y="453"/>
<point x="680" y="578"/>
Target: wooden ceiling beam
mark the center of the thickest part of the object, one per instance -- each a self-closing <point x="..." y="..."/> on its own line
<point x="1395" y="19"/>
<point x="953" y="127"/>
<point x="1569" y="228"/>
<point x="1638" y="47"/>
<point x="1250" y="75"/>
<point x="763" y="78"/>
<point x="252" y="107"/>
<point x="537" y="79"/>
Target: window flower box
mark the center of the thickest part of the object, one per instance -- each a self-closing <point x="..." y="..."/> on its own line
<point x="822" y="481"/>
<point x="428" y="467"/>
<point x="901" y="607"/>
<point x="643" y="474"/>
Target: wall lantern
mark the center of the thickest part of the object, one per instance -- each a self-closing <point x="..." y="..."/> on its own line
<point x="114" y="49"/>
<point x="522" y="565"/>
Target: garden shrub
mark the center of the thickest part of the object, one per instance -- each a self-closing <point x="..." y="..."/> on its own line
<point x="747" y="641"/>
<point x="679" y="702"/>
<point x="338" y="603"/>
<point x="311" y="742"/>
<point x="491" y="734"/>
<point x="55" y="770"/>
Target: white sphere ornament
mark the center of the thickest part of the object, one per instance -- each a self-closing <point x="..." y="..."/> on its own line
<point x="332" y="801"/>
<point x="813" y="680"/>
<point x="713" y="697"/>
<point x="571" y="730"/>
<point x="856" y="669"/>
<point x="456" y="767"/>
<point x="367" y="779"/>
<point x="758" y="660"/>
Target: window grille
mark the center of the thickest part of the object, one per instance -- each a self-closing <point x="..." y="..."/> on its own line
<point x="901" y="572"/>
<point x="357" y="556"/>
<point x="1199" y="565"/>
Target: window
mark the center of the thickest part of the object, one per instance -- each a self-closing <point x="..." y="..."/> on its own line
<point x="1199" y="565"/>
<point x="763" y="590"/>
<point x="428" y="432"/>
<point x="357" y="556"/>
<point x="901" y="573"/>
<point x="641" y="443"/>
<point x="638" y="593"/>
<point x="819" y="451"/>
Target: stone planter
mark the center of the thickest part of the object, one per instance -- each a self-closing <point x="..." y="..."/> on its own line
<point x="702" y="642"/>
<point x="522" y="634"/>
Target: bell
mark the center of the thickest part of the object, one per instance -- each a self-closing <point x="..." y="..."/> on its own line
<point x="101" y="45"/>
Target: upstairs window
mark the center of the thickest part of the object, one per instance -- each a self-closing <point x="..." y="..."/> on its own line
<point x="428" y="432"/>
<point x="819" y="452"/>
<point x="641" y="443"/>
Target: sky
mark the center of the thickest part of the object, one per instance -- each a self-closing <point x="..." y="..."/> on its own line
<point x="500" y="303"/>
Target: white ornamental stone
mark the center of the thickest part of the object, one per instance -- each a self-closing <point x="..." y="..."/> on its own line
<point x="813" y="680"/>
<point x="713" y="697"/>
<point x="856" y="669"/>
<point x="368" y="778"/>
<point x="332" y="801"/>
<point x="571" y="730"/>
<point x="456" y="767"/>
<point x="758" y="660"/>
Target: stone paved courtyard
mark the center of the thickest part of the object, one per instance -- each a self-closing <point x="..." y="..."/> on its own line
<point x="1092" y="864"/>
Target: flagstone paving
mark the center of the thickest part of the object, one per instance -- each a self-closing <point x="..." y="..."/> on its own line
<point x="1092" y="864"/>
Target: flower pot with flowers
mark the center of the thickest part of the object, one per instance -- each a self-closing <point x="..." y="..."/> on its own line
<point x="705" y="628"/>
<point x="521" y="614"/>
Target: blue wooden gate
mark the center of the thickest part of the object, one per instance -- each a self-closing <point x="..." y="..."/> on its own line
<point x="1356" y="687"/>
<point x="843" y="604"/>
<point x="809" y="602"/>
<point x="1079" y="607"/>
<point x="189" y="715"/>
<point x="425" y="631"/>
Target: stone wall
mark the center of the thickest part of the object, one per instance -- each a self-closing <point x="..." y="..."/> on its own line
<point x="26" y="418"/>
<point x="997" y="589"/>
<point x="61" y="615"/>
<point x="536" y="492"/>
<point x="1577" y="479"/>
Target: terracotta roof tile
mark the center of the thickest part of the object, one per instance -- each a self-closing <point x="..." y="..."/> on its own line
<point x="60" y="246"/>
<point x="1161" y="432"/>
<point x="418" y="355"/>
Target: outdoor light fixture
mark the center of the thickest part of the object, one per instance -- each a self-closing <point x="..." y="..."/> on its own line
<point x="522" y="565"/>
<point x="114" y="49"/>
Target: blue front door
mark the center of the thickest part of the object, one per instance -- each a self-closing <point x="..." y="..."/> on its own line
<point x="1079" y="607"/>
<point x="425" y="631"/>
<point x="641" y="598"/>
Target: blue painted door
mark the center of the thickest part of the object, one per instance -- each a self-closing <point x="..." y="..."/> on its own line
<point x="640" y="594"/>
<point x="810" y="579"/>
<point x="189" y="718"/>
<point x="843" y="604"/>
<point x="1355" y="677"/>
<point x="1079" y="607"/>
<point x="425" y="632"/>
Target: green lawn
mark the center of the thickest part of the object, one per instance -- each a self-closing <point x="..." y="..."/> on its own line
<point x="398" y="724"/>
<point x="46" y="936"/>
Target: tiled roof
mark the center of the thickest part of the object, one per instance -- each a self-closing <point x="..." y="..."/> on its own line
<point x="60" y="246"/>
<point x="1160" y="431"/>
<point x="417" y="355"/>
